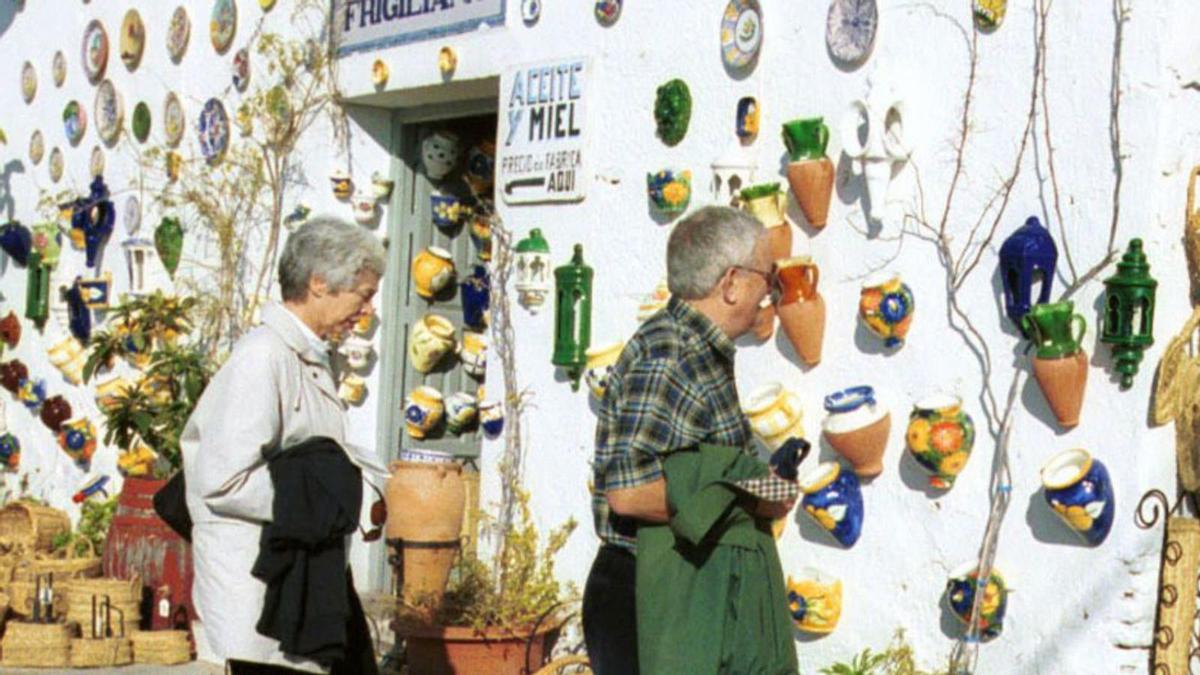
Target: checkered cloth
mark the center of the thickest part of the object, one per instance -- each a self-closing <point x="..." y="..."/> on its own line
<point x="772" y="488"/>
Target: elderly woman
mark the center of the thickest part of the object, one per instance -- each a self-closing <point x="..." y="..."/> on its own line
<point x="276" y="391"/>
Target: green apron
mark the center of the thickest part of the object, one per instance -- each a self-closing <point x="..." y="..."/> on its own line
<point x="710" y="590"/>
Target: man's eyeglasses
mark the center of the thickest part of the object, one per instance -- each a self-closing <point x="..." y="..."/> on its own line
<point x="769" y="278"/>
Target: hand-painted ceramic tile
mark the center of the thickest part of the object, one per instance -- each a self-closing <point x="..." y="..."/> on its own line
<point x="608" y="11"/>
<point x="223" y="25"/>
<point x="241" y="69"/>
<point x="95" y="51"/>
<point x="850" y="29"/>
<point x="96" y="162"/>
<point x="110" y="112"/>
<point x="133" y="39"/>
<point x="989" y="14"/>
<point x="28" y="82"/>
<point x="59" y="68"/>
<point x="213" y="130"/>
<point x="141" y="122"/>
<point x="741" y="33"/>
<point x="56" y="164"/>
<point x="531" y="11"/>
<point x="74" y="121"/>
<point x="173" y="119"/>
<point x="131" y="214"/>
<point x="37" y="147"/>
<point x="178" y="32"/>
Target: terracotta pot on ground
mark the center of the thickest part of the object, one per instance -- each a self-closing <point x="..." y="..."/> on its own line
<point x="812" y="184"/>
<point x="1063" y="381"/>
<point x="453" y="650"/>
<point x="426" y="502"/>
<point x="801" y="308"/>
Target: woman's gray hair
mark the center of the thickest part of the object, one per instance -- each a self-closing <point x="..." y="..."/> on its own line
<point x="332" y="249"/>
<point x="704" y="245"/>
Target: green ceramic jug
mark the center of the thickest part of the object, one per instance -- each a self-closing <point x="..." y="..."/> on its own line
<point x="806" y="138"/>
<point x="1055" y="328"/>
<point x="168" y="241"/>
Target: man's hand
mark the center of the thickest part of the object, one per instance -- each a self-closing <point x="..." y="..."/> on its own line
<point x="645" y="502"/>
<point x="773" y="510"/>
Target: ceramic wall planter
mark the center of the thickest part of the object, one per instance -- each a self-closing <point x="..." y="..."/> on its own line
<point x="961" y="588"/>
<point x="1028" y="256"/>
<point x="886" y="307"/>
<point x="670" y="191"/>
<point x="353" y="389"/>
<point x="882" y="111"/>
<point x="475" y="293"/>
<point x="810" y="172"/>
<point x="423" y="409"/>
<point x="432" y="271"/>
<point x="94" y="216"/>
<point x="775" y="414"/>
<point x="833" y="498"/>
<point x="673" y="111"/>
<point x="447" y="210"/>
<point x="432" y="339"/>
<point x="363" y="205"/>
<point x="940" y="437"/>
<point x="491" y="418"/>
<point x="857" y="428"/>
<point x="77" y="438"/>
<point x="461" y="410"/>
<point x="68" y="356"/>
<point x="600" y="362"/>
<point x="815" y="601"/>
<point x="357" y="351"/>
<point x="1059" y="364"/>
<point x="801" y="308"/>
<point x="1079" y="490"/>
<point x="340" y="183"/>
<point x="748" y="117"/>
<point x="439" y="154"/>
<point x="473" y="354"/>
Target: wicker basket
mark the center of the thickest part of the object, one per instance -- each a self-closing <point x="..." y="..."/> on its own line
<point x="63" y="564"/>
<point x="1176" y="596"/>
<point x="36" y="645"/>
<point x="20" y="596"/>
<point x="31" y="525"/>
<point x="162" y="647"/>
<point x="123" y="594"/>
<point x="87" y="653"/>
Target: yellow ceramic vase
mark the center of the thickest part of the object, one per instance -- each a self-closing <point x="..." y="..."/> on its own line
<point x="775" y="414"/>
<point x="815" y="602"/>
<point x="432" y="338"/>
<point x="432" y="271"/>
<point x="68" y="356"/>
<point x="769" y="209"/>
<point x="423" y="409"/>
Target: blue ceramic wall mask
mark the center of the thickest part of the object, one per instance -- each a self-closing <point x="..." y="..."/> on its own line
<point x="16" y="240"/>
<point x="833" y="498"/>
<point x="850" y="399"/>
<point x="1080" y="492"/>
<point x="476" y="294"/>
<point x="1028" y="255"/>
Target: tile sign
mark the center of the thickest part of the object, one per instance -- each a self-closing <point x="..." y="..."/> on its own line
<point x="363" y="25"/>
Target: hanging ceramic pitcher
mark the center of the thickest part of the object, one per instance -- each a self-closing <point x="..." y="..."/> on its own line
<point x="1080" y="492"/>
<point x="1060" y="363"/>
<point x="432" y="338"/>
<point x="810" y="172"/>
<point x="833" y="498"/>
<point x="940" y="437"/>
<point x="857" y="428"/>
<point x="775" y="415"/>
<point x="426" y="502"/>
<point x="768" y="203"/>
<point x="886" y="306"/>
<point x="801" y="308"/>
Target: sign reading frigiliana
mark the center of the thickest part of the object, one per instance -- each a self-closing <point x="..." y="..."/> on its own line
<point x="543" y="132"/>
<point x="370" y="24"/>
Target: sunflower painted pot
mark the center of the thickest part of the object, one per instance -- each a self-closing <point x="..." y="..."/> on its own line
<point x="461" y="411"/>
<point x="432" y="338"/>
<point x="600" y="362"/>
<point x="961" y="588"/>
<point x="432" y="271"/>
<point x="447" y="210"/>
<point x="1080" y="492"/>
<point x="473" y="353"/>
<point x="670" y="191"/>
<point x="833" y="498"/>
<point x="857" y="428"/>
<point x="886" y="306"/>
<point x="940" y="437"/>
<point x="775" y="414"/>
<point x="815" y="601"/>
<point x="423" y="409"/>
<point x="77" y="438"/>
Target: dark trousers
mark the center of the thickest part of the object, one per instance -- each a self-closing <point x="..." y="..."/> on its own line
<point x="610" y="613"/>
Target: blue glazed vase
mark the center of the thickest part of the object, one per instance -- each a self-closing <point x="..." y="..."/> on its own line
<point x="1079" y="490"/>
<point x="961" y="589"/>
<point x="833" y="497"/>
<point x="16" y="241"/>
<point x="476" y="294"/>
<point x="79" y="317"/>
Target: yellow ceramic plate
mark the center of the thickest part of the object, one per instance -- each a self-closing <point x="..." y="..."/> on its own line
<point x="133" y="39"/>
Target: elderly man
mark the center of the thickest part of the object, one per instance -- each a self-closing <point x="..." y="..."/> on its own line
<point x="671" y="391"/>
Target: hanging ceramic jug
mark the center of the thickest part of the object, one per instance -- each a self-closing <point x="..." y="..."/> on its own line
<point x="423" y="409"/>
<point x="801" y="308"/>
<point x="1079" y="491"/>
<point x="810" y="172"/>
<point x="857" y="428"/>
<point x="491" y="418"/>
<point x="461" y="409"/>
<point x="426" y="502"/>
<point x="886" y="306"/>
<point x="961" y="588"/>
<point x="940" y="437"/>
<point x="473" y="353"/>
<point x="16" y="240"/>
<point x="600" y="362"/>
<point x="432" y="338"/>
<point x="1054" y="328"/>
<point x="815" y="601"/>
<point x="768" y="203"/>
<point x="168" y="242"/>
<point x="475" y="292"/>
<point x="775" y="415"/>
<point x="1059" y="364"/>
<point x="432" y="271"/>
<point x="833" y="498"/>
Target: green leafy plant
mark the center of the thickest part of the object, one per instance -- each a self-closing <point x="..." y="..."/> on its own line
<point x="897" y="659"/>
<point x="95" y="517"/>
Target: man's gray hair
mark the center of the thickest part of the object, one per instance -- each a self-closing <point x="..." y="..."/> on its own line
<point x="704" y="245"/>
<point x="332" y="249"/>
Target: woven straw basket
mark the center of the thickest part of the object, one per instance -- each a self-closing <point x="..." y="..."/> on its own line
<point x="36" y="645"/>
<point x="32" y="526"/>
<point x="21" y="593"/>
<point x="1177" y="596"/>
<point x="87" y="653"/>
<point x="162" y="647"/>
<point x="1191" y="232"/>
<point x="123" y="594"/>
<point x="64" y="564"/>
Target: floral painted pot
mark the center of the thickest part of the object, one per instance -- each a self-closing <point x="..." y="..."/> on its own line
<point x="31" y="392"/>
<point x="432" y="271"/>
<point x="491" y="418"/>
<point x="481" y="235"/>
<point x="670" y="191"/>
<point x="1079" y="490"/>
<point x="600" y="362"/>
<point x="353" y="389"/>
<point x="439" y="154"/>
<point x="342" y="186"/>
<point x="961" y="588"/>
<point x="940" y="437"/>
<point x="77" y="438"/>
<point x="357" y="351"/>
<point x="10" y="452"/>
<point x="423" y="409"/>
<point x="432" y="338"/>
<point x="775" y="414"/>
<point x="800" y="307"/>
<point x="475" y="293"/>
<point x="815" y="601"/>
<point x="473" y="353"/>
<point x="857" y="428"/>
<point x="461" y="410"/>
<point x="886" y="306"/>
<point x="447" y="210"/>
<point x="833" y="498"/>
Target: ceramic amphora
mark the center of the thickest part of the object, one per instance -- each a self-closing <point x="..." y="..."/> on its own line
<point x="432" y="271"/>
<point x="961" y="587"/>
<point x="775" y="414"/>
<point x="815" y="601"/>
<point x="810" y="172"/>
<point x="940" y="437"/>
<point x="1063" y="382"/>
<point x="1079" y="490"/>
<point x="423" y="409"/>
<point x="1055" y="329"/>
<point x="426" y="505"/>
<point x="857" y="428"/>
<point x="600" y="362"/>
<point x="432" y="338"/>
<point x="886" y="307"/>
<point x="833" y="498"/>
<point x="801" y="308"/>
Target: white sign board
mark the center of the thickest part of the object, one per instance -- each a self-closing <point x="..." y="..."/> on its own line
<point x="362" y="25"/>
<point x="543" y="132"/>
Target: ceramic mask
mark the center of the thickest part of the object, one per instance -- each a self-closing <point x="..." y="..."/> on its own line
<point x="439" y="154"/>
<point x="940" y="437"/>
<point x="423" y="410"/>
<point x="673" y="111"/>
<point x="732" y="172"/>
<point x="886" y="145"/>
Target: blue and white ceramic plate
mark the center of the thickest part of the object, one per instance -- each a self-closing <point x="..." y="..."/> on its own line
<point x="213" y="130"/>
<point x="110" y="111"/>
<point x="741" y="33"/>
<point x="850" y="29"/>
<point x="74" y="121"/>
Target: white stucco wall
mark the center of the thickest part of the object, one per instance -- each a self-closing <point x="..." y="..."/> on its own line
<point x="1075" y="609"/>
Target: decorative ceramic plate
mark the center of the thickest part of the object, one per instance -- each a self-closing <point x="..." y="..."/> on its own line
<point x="28" y="82"/>
<point x="241" y="69"/>
<point x="741" y="33"/>
<point x="173" y="119"/>
<point x="95" y="51"/>
<point x="141" y="122"/>
<point x="178" y="32"/>
<point x="266" y="4"/>
<point x="850" y="29"/>
<point x="133" y="39"/>
<point x="213" y="130"/>
<point x="131" y="214"/>
<point x="56" y="164"/>
<point x="223" y="25"/>
<point x="96" y="163"/>
<point x="37" y="147"/>
<point x="607" y="11"/>
<point x="59" y="68"/>
<point x="74" y="121"/>
<point x="110" y="112"/>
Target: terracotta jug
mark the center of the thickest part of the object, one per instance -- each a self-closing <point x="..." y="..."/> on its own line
<point x="1063" y="381"/>
<point x="857" y="428"/>
<point x="812" y="183"/>
<point x="426" y="502"/>
<point x="764" y="324"/>
<point x="801" y="308"/>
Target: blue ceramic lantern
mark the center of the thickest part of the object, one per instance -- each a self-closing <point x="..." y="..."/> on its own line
<point x="93" y="216"/>
<point x="476" y="293"/>
<point x="833" y="498"/>
<point x="1028" y="255"/>
<point x="16" y="240"/>
<point x="1080" y="492"/>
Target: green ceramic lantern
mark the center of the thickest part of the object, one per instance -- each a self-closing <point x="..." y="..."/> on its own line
<point x="168" y="241"/>
<point x="1128" y="319"/>
<point x="37" y="291"/>
<point x="532" y="256"/>
<point x="573" y="316"/>
<point x="673" y="111"/>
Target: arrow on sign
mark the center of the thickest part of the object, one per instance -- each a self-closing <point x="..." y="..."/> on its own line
<point x="524" y="182"/>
